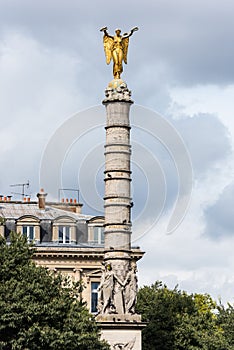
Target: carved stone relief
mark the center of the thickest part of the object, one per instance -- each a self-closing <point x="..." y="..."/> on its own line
<point x="126" y="346"/>
<point x="118" y="288"/>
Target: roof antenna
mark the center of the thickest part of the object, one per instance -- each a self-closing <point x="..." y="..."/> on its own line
<point x="23" y="186"/>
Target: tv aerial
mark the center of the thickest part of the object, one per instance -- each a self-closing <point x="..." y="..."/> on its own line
<point x="23" y="187"/>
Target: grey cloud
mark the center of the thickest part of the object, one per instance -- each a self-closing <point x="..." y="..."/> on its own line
<point x="207" y="139"/>
<point x="193" y="40"/>
<point x="219" y="217"/>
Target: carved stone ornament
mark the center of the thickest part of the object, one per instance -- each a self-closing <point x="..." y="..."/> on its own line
<point x="117" y="90"/>
<point x="126" y="346"/>
<point x="118" y="289"/>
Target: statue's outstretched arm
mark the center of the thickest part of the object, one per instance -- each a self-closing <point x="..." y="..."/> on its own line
<point x="127" y="35"/>
<point x="104" y="29"/>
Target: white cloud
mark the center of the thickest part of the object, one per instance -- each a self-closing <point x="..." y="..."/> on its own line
<point x="188" y="259"/>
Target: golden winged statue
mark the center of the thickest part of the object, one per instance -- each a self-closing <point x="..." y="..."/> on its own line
<point x="116" y="48"/>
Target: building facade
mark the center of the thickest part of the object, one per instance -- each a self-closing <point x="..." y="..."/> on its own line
<point x="66" y="240"/>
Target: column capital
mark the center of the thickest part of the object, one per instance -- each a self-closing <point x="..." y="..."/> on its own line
<point x="117" y="91"/>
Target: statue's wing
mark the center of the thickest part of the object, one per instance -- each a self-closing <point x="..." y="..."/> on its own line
<point x="108" y="44"/>
<point x="125" y="42"/>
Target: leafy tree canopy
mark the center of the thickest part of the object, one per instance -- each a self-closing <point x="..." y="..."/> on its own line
<point x="39" y="310"/>
<point x="179" y="321"/>
<point x="226" y="321"/>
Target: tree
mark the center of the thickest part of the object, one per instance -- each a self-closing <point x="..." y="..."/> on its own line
<point x="39" y="310"/>
<point x="200" y="329"/>
<point x="226" y="321"/>
<point x="160" y="306"/>
<point x="179" y="321"/>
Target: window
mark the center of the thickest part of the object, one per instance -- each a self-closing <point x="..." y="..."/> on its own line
<point x="98" y="234"/>
<point x="28" y="231"/>
<point x="64" y="234"/>
<point x="94" y="296"/>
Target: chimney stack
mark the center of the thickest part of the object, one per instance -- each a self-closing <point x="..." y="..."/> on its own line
<point x="41" y="199"/>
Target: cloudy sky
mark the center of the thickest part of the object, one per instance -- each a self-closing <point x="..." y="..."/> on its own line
<point x="181" y="73"/>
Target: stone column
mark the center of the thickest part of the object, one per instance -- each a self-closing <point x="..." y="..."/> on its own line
<point x="118" y="287"/>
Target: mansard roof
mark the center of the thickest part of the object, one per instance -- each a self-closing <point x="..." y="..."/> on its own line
<point x="19" y="210"/>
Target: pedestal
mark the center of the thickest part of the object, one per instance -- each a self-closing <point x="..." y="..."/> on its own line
<point x="121" y="331"/>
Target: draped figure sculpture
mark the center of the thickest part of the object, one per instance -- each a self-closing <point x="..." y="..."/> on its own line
<point x="105" y="291"/>
<point x="131" y="288"/>
<point x="116" y="49"/>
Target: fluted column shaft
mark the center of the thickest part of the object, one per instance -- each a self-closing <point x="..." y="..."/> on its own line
<point x="118" y="286"/>
<point x="117" y="200"/>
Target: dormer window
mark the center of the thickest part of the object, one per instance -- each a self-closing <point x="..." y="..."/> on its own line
<point x="96" y="230"/>
<point x="64" y="230"/>
<point x="64" y="234"/>
<point x="28" y="231"/>
<point x="29" y="226"/>
<point x="98" y="234"/>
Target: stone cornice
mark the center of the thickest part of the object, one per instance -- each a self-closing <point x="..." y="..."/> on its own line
<point x="77" y="253"/>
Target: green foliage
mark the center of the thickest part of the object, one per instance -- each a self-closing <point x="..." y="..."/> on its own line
<point x="200" y="329"/>
<point x="39" y="310"/>
<point x="226" y="321"/>
<point x="179" y="321"/>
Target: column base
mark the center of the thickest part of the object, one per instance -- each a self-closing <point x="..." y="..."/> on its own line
<point x="121" y="331"/>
